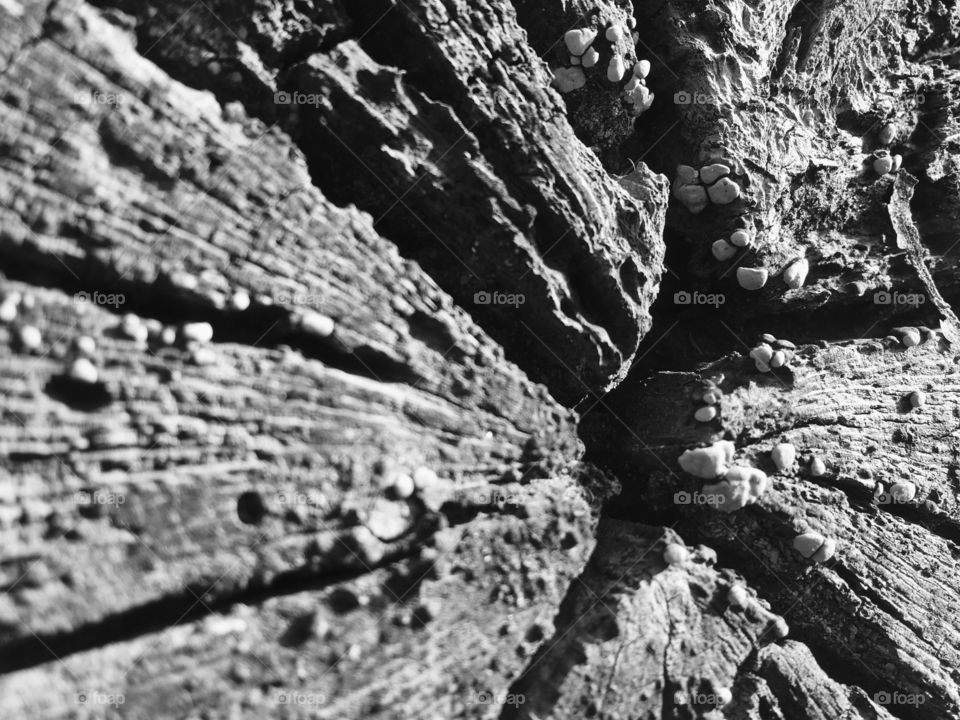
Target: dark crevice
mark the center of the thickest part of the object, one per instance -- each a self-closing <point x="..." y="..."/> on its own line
<point x="861" y="499"/>
<point x="347" y="176"/>
<point x="864" y="591"/>
<point x="179" y="608"/>
<point x="542" y="678"/>
<point x="782" y="585"/>
<point x="807" y="625"/>
<point x="392" y="36"/>
<point x="193" y="53"/>
<point x="800" y="33"/>
<point x="683" y="337"/>
<point x="78" y="395"/>
<point x="260" y="326"/>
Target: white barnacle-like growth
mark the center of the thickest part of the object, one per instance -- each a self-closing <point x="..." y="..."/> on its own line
<point x="711" y="173"/>
<point x="909" y="336"/>
<point x="30" y="337"/>
<point x="568" y="79"/>
<point x="240" y="300"/>
<point x="784" y="455"/>
<point x="616" y="69"/>
<point x="882" y="162"/>
<point x="578" y="41"/>
<point x="741" y="486"/>
<point x="752" y="278"/>
<point x="796" y="273"/>
<point x="722" y="250"/>
<point x="779" y="628"/>
<point x="84" y="371"/>
<point x="590" y="58"/>
<point x="693" y="197"/>
<point x="615" y="33"/>
<point x="638" y="96"/>
<point x="9" y="309"/>
<point x="705" y="414"/>
<point x="818" y="468"/>
<point x="762" y="353"/>
<point x="762" y="356"/>
<point x="198" y="332"/>
<point x="737" y="597"/>
<point x="814" y="546"/>
<point x="903" y="492"/>
<point x="402" y="486"/>
<point x="688" y="190"/>
<point x="724" y="191"/>
<point x="675" y="554"/>
<point x="86" y="345"/>
<point x="712" y="396"/>
<point x="134" y="328"/>
<point x="314" y="323"/>
<point x="709" y="462"/>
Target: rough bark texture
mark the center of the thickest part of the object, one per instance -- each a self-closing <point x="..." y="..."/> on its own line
<point x="427" y="464"/>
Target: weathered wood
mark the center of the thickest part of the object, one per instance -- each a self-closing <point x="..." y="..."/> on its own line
<point x="223" y="526"/>
<point x="449" y="134"/>
<point x="196" y="475"/>
<point x="793" y="97"/>
<point x="880" y="613"/>
<point x="638" y="637"/>
<point x="436" y="637"/>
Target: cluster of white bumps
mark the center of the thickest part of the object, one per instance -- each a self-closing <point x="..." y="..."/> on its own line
<point x="724" y="249"/>
<point x="709" y="394"/>
<point x="584" y="55"/>
<point x="814" y="546"/>
<point x="883" y="161"/>
<point x="907" y="336"/>
<point x="811" y="545"/>
<point x="712" y="183"/>
<point x="734" y="487"/>
<point x="771" y="353"/>
<point x="739" y="487"/>
<point x="696" y="189"/>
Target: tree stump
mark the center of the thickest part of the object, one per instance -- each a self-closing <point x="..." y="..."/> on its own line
<point x="349" y="351"/>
